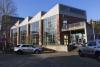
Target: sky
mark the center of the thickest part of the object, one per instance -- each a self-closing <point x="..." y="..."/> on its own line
<point x="31" y="7"/>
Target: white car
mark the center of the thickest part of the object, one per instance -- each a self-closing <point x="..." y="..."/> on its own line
<point x="91" y="49"/>
<point x="23" y="48"/>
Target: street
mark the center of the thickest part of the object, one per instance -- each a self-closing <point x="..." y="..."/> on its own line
<point x="70" y="59"/>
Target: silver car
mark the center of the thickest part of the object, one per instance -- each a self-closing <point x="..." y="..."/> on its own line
<point x="24" y="48"/>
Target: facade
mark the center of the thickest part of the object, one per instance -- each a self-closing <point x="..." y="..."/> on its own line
<point x="57" y="21"/>
<point x="57" y="28"/>
<point x="96" y="28"/>
<point x="36" y="29"/>
<point x="20" y="32"/>
<point x="23" y="29"/>
<point x="14" y="33"/>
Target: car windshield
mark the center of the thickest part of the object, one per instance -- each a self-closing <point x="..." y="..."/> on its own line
<point x="17" y="45"/>
<point x="92" y="44"/>
<point x="31" y="46"/>
<point x="84" y="44"/>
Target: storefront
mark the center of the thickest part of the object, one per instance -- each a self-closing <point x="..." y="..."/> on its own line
<point x="56" y="29"/>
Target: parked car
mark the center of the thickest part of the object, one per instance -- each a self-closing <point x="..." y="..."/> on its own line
<point x="72" y="46"/>
<point x="24" y="48"/>
<point x="92" y="48"/>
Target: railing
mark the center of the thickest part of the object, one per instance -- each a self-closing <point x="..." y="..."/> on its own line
<point x="74" y="26"/>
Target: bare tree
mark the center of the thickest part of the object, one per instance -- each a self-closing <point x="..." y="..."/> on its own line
<point x="7" y="7"/>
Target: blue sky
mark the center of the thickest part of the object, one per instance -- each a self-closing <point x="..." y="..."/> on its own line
<point x="31" y="7"/>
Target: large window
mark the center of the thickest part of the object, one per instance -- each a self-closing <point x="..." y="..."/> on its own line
<point x="34" y="33"/>
<point x="77" y="11"/>
<point x="92" y="44"/>
<point x="49" y="27"/>
<point x="14" y="35"/>
<point x="23" y="31"/>
<point x="64" y="24"/>
<point x="67" y="9"/>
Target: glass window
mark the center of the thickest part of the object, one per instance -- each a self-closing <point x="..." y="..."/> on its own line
<point x="25" y="45"/>
<point x="49" y="26"/>
<point x="34" y="33"/>
<point x="67" y="9"/>
<point x="77" y="11"/>
<point x="23" y="32"/>
<point x="14" y="35"/>
<point x="92" y="44"/>
<point x="64" y="26"/>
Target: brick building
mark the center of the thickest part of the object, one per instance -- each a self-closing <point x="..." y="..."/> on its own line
<point x="56" y="29"/>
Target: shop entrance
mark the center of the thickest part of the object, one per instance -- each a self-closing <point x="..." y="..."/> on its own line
<point x="77" y="37"/>
<point x="65" y="39"/>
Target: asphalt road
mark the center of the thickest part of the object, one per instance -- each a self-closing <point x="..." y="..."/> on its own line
<point x="47" y="60"/>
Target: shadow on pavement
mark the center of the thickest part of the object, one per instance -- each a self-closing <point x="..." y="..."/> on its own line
<point x="46" y="50"/>
<point x="73" y="61"/>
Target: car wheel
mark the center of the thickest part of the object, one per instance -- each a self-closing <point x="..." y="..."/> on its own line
<point x="19" y="52"/>
<point x="37" y="51"/>
<point x="81" y="54"/>
<point x="96" y="55"/>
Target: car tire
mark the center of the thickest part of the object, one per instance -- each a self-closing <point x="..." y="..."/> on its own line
<point x="19" y="52"/>
<point x="37" y="52"/>
<point x="96" y="55"/>
<point x="81" y="54"/>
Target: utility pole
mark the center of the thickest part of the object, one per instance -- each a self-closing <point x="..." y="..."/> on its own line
<point x="4" y="42"/>
<point x="93" y="30"/>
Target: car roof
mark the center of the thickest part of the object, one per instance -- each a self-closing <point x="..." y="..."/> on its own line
<point x="24" y="44"/>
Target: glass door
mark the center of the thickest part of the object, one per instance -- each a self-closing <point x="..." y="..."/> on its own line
<point x="65" y="40"/>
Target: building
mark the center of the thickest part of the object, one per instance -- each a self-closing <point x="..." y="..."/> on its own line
<point x="96" y="28"/>
<point x="36" y="28"/>
<point x="14" y="33"/>
<point x="57" y="28"/>
<point x="20" y="31"/>
<point x="59" y="23"/>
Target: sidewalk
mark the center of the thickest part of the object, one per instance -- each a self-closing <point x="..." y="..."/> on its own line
<point x="6" y="52"/>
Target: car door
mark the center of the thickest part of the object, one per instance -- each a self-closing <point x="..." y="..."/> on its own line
<point x="26" y="48"/>
<point x="91" y="48"/>
<point x="31" y="48"/>
<point x="85" y="50"/>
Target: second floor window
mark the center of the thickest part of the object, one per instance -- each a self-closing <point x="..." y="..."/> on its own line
<point x="64" y="24"/>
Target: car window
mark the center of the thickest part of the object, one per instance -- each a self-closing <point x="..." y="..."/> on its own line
<point x="84" y="45"/>
<point x="17" y="45"/>
<point x="31" y="46"/>
<point x="92" y="44"/>
<point x="25" y="46"/>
